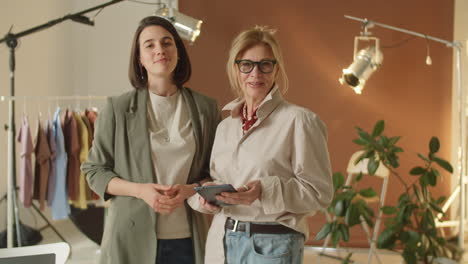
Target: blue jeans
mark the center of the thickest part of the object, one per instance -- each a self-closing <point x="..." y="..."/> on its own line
<point x="175" y="251"/>
<point x="244" y="247"/>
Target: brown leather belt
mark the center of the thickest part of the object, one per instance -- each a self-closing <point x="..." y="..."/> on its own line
<point x="235" y="225"/>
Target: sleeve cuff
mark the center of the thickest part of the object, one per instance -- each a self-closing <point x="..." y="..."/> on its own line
<point x="100" y="185"/>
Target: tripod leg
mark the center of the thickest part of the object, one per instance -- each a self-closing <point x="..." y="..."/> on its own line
<point x="49" y="224"/>
<point x="16" y="210"/>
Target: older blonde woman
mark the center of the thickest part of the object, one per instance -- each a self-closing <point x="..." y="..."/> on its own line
<point x="274" y="152"/>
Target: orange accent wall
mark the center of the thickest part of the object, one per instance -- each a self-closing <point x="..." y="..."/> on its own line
<point x="317" y="41"/>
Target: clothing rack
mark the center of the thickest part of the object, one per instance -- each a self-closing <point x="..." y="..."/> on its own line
<point x="11" y="195"/>
<point x="53" y="98"/>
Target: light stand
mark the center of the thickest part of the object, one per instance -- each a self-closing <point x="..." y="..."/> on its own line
<point x="11" y="41"/>
<point x="461" y="188"/>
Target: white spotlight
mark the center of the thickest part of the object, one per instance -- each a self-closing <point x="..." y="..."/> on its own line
<point x="366" y="61"/>
<point x="189" y="28"/>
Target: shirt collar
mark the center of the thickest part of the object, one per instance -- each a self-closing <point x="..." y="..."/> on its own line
<point x="267" y="105"/>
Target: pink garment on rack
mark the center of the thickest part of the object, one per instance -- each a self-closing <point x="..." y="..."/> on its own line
<point x="41" y="172"/>
<point x="26" y="172"/>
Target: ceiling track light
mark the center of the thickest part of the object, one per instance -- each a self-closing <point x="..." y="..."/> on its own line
<point x="365" y="61"/>
<point x="189" y="28"/>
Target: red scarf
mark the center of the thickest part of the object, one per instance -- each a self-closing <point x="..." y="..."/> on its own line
<point x="246" y="122"/>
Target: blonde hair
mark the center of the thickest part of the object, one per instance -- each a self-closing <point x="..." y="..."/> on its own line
<point x="248" y="39"/>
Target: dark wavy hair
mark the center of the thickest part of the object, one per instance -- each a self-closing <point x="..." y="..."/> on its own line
<point x="138" y="75"/>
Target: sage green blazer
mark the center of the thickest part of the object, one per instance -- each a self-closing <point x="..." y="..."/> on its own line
<point x="121" y="148"/>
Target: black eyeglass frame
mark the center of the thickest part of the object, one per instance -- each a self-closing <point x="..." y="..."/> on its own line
<point x="255" y="63"/>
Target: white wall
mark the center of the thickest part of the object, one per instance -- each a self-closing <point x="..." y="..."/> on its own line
<point x="101" y="53"/>
<point x="42" y="63"/>
<point x="67" y="59"/>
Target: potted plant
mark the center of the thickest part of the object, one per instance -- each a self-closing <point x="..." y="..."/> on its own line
<point x="411" y="223"/>
<point x="410" y="227"/>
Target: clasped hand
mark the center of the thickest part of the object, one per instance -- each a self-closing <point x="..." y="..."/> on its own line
<point x="164" y="199"/>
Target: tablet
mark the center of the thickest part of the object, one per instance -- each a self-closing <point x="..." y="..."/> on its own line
<point x="209" y="192"/>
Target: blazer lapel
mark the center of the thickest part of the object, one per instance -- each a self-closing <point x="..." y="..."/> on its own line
<point x="137" y="129"/>
<point x="196" y="124"/>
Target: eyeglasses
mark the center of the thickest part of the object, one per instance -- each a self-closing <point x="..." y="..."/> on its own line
<point x="264" y="66"/>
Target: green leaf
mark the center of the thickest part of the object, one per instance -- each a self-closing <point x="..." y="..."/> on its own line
<point x="344" y="232"/>
<point x="358" y="177"/>
<point x="404" y="237"/>
<point x="372" y="166"/>
<point x="383" y="141"/>
<point x="352" y="215"/>
<point x="432" y="178"/>
<point x="326" y="229"/>
<point x="418" y="193"/>
<point x="360" y="158"/>
<point x="403" y="199"/>
<point x="386" y="239"/>
<point x="425" y="192"/>
<point x="378" y="128"/>
<point x="393" y="160"/>
<point x="369" y="154"/>
<point x="336" y="236"/>
<point x="408" y="212"/>
<point x="364" y="135"/>
<point x="348" y="195"/>
<point x="436" y="208"/>
<point x="428" y="219"/>
<point x="444" y="164"/>
<point x="441" y="199"/>
<point x="341" y="207"/>
<point x="424" y="180"/>
<point x="365" y="211"/>
<point x="368" y="193"/>
<point x="409" y="256"/>
<point x="417" y="171"/>
<point x="423" y="157"/>
<point x="401" y="215"/>
<point x="368" y="220"/>
<point x="396" y="149"/>
<point x="338" y="180"/>
<point x="393" y="140"/>
<point x="412" y="239"/>
<point x="360" y="141"/>
<point x="434" y="145"/>
<point x="388" y="210"/>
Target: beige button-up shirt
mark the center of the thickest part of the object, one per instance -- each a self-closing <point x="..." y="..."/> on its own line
<point x="286" y="149"/>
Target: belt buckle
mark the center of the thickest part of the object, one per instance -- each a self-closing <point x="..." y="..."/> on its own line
<point x="235" y="225"/>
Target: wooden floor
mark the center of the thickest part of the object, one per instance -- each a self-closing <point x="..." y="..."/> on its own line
<point x="359" y="256"/>
<point x="311" y="255"/>
<point x="84" y="251"/>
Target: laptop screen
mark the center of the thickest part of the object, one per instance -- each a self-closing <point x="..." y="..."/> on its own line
<point x="36" y="259"/>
